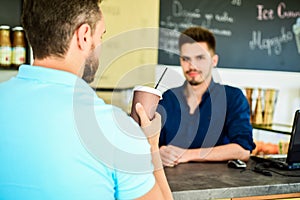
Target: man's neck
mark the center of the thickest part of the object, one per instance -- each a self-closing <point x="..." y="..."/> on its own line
<point x="198" y="90"/>
<point x="58" y="64"/>
<point x="194" y="94"/>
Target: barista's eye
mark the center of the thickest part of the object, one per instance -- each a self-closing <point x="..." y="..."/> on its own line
<point x="200" y="57"/>
<point x="185" y="59"/>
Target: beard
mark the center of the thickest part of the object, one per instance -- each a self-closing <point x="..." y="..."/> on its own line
<point x="91" y="66"/>
<point x="203" y="78"/>
<point x="194" y="82"/>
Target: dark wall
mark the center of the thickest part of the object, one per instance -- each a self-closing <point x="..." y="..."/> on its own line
<point x="250" y="34"/>
<point x="10" y="12"/>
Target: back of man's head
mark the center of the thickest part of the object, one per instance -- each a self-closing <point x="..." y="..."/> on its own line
<point x="50" y="24"/>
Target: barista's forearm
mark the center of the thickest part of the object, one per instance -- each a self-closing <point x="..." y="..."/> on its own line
<point x="219" y="153"/>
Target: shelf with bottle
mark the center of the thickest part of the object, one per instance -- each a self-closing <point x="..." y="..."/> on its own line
<point x="13" y="47"/>
<point x="262" y="103"/>
<point x="277" y="128"/>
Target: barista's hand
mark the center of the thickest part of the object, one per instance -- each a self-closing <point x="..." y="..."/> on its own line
<point x="150" y="128"/>
<point x="172" y="155"/>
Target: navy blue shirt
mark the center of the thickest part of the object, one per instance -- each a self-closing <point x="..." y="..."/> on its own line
<point x="222" y="117"/>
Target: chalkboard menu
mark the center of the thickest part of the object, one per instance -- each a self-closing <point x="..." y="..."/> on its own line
<point x="250" y="34"/>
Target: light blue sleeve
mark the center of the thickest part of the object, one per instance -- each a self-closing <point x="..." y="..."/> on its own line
<point x="128" y="153"/>
<point x="132" y="186"/>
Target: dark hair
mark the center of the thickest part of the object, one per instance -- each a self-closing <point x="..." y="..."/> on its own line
<point x="50" y="24"/>
<point x="198" y="34"/>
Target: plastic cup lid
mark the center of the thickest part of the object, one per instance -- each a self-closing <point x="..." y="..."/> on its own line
<point x="148" y="89"/>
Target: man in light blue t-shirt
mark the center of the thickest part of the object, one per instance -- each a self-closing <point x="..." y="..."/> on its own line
<point x="58" y="140"/>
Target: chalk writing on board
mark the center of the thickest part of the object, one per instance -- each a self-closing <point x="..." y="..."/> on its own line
<point x="195" y="18"/>
<point x="250" y="34"/>
<point x="282" y="12"/>
<point x="236" y="2"/>
<point x="180" y="18"/>
<point x="271" y="45"/>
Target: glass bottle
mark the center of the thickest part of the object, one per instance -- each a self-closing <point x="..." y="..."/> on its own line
<point x="5" y="47"/>
<point x="258" y="112"/>
<point x="249" y="92"/>
<point x="18" y="47"/>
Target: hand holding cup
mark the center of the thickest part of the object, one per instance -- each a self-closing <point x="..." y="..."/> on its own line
<point x="149" y="98"/>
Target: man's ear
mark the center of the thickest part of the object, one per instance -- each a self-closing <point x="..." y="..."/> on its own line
<point x="84" y="37"/>
<point x="215" y="60"/>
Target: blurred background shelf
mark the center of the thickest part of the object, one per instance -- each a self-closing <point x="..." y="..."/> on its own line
<point x="277" y="128"/>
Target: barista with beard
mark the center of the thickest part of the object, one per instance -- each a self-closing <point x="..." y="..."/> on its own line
<point x="203" y="120"/>
<point x="58" y="140"/>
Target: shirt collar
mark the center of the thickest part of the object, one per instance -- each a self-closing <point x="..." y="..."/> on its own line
<point x="48" y="75"/>
<point x="211" y="86"/>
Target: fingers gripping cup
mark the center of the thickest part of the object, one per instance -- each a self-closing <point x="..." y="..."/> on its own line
<point x="148" y="97"/>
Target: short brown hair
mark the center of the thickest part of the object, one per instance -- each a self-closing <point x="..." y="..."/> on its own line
<point x="50" y="24"/>
<point x="198" y="34"/>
